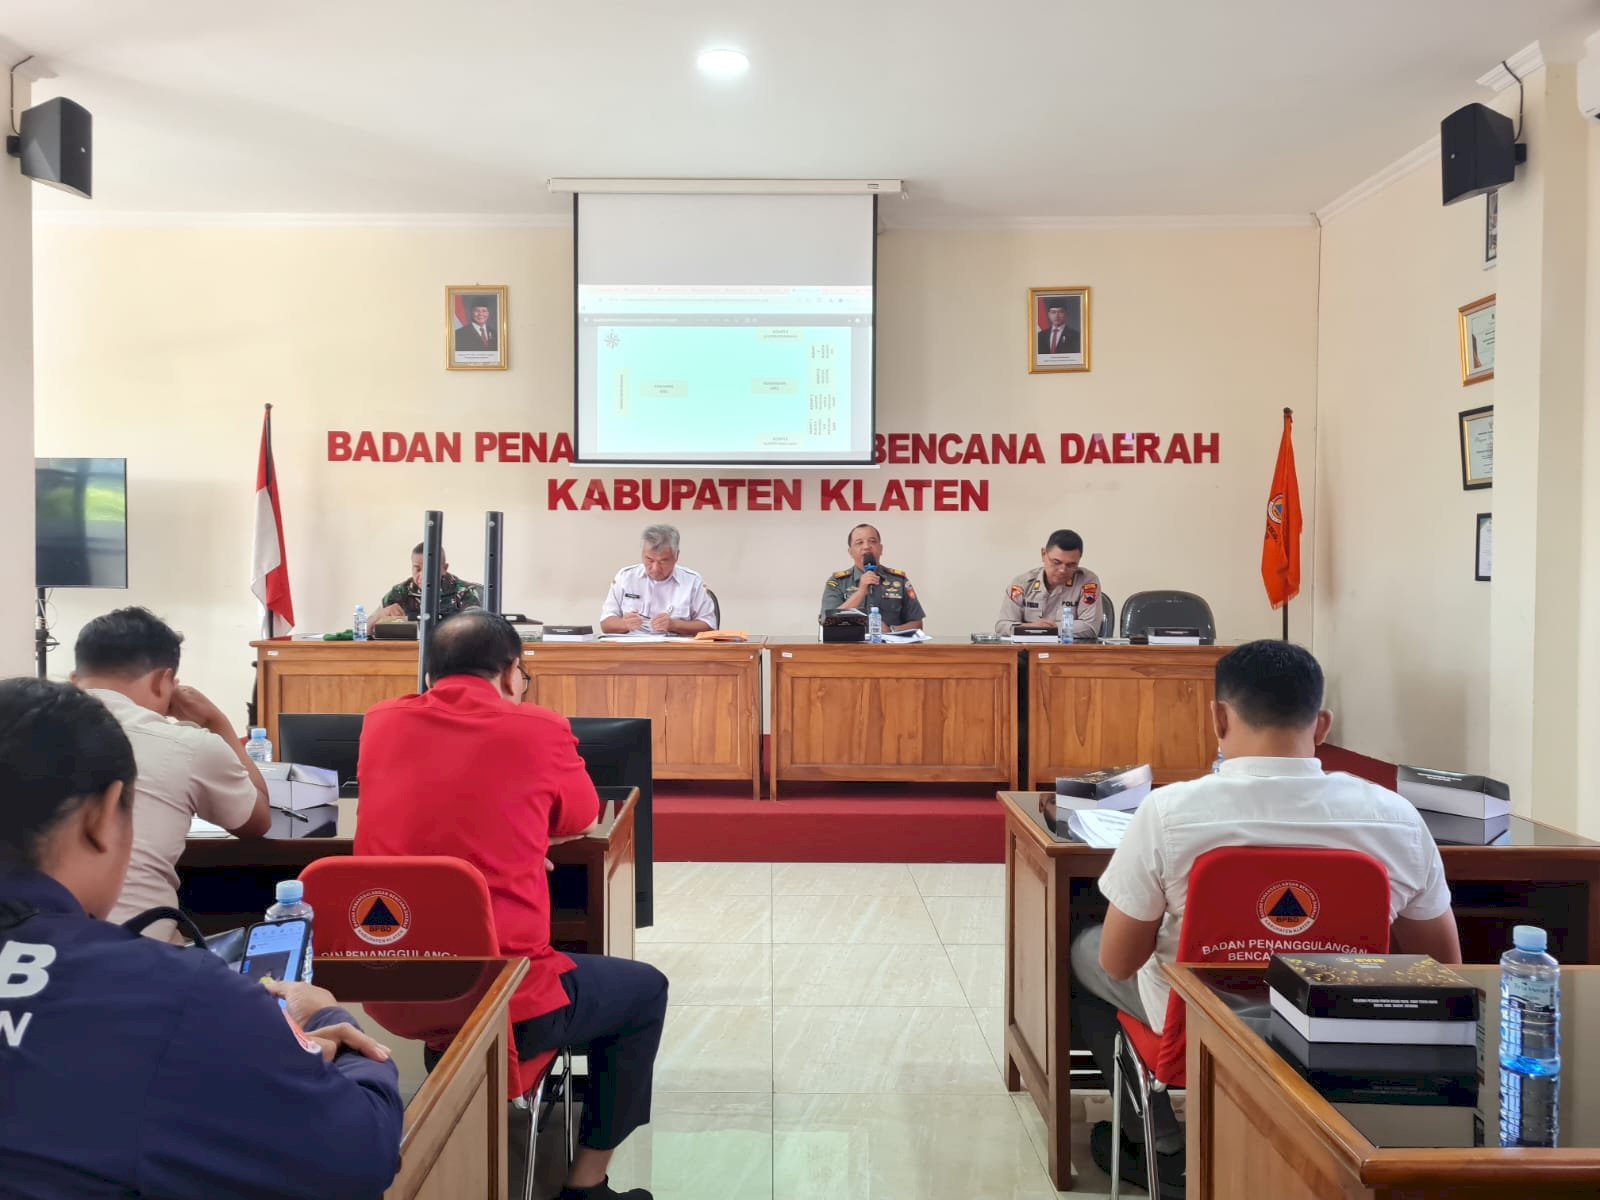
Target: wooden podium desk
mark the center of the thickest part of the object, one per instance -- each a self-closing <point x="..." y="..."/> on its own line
<point x="703" y="698"/>
<point x="1093" y="706"/>
<point x="228" y="882"/>
<point x="453" y="1142"/>
<point x="1544" y="877"/>
<point x="852" y="712"/>
<point x="1257" y="1127"/>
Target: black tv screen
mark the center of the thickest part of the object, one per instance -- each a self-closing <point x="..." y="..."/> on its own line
<point x="80" y="522"/>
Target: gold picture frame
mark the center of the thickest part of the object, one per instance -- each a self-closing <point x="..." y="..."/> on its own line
<point x="469" y="346"/>
<point x="1476" y="324"/>
<point x="1071" y="344"/>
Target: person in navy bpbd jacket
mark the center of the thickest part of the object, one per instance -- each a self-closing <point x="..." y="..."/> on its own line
<point x="133" y="1068"/>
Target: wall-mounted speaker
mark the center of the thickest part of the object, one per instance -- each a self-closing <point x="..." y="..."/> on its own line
<point x="56" y="145"/>
<point x="1478" y="152"/>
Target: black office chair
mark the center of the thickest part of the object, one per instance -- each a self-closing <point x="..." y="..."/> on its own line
<point x="1108" y="619"/>
<point x="328" y="740"/>
<point x="716" y="608"/>
<point x="619" y="752"/>
<point x="1144" y="611"/>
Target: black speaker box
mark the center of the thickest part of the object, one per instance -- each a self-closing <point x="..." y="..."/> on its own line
<point x="56" y="145"/>
<point x="1478" y="152"/>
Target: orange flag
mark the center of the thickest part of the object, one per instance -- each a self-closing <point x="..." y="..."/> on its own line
<point x="1280" y="550"/>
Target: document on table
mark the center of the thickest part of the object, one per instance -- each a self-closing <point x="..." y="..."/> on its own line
<point x="911" y="635"/>
<point x="201" y="828"/>
<point x="1101" y="828"/>
<point x="633" y="637"/>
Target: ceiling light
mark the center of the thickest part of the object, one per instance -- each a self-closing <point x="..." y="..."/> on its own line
<point x="723" y="63"/>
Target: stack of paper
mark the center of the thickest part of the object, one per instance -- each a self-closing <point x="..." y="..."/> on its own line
<point x="910" y="635"/>
<point x="199" y="827"/>
<point x="1099" y="827"/>
<point x="638" y="635"/>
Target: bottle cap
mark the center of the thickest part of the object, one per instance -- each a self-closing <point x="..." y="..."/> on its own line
<point x="256" y="731"/>
<point x="290" y="891"/>
<point x="1530" y="937"/>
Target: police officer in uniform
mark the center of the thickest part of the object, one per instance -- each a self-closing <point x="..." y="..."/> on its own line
<point x="403" y="602"/>
<point x="1056" y="590"/>
<point x="202" y="1086"/>
<point x="869" y="584"/>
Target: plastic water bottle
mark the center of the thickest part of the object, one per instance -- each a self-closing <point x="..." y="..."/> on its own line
<point x="291" y="905"/>
<point x="1064" y="630"/>
<point x="1216" y="763"/>
<point x="1530" y="1005"/>
<point x="1530" y="1108"/>
<point x="359" y="625"/>
<point x="875" y="626"/>
<point x="258" y="748"/>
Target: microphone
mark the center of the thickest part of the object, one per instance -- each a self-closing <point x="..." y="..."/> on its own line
<point x="869" y="563"/>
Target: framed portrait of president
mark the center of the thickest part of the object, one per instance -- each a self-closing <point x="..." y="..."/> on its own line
<point x="475" y="328"/>
<point x="1058" y="329"/>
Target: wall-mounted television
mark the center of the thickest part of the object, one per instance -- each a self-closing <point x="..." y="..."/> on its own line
<point x="80" y="522"/>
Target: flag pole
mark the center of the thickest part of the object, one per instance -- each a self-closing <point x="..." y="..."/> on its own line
<point x="266" y="613"/>
<point x="1288" y="415"/>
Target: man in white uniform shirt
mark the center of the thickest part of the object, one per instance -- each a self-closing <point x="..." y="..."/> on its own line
<point x="656" y="595"/>
<point x="189" y="758"/>
<point x="1270" y="791"/>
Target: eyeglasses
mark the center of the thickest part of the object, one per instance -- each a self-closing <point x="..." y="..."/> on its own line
<point x="527" y="680"/>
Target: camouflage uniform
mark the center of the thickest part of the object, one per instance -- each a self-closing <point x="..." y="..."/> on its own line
<point x="1027" y="599"/>
<point x="455" y="595"/>
<point x="894" y="598"/>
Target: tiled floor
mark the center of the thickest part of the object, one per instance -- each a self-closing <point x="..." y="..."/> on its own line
<point x="835" y="1034"/>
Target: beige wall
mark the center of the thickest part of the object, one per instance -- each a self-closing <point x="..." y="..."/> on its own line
<point x="16" y="414"/>
<point x="1588" y="770"/>
<point x="1401" y="626"/>
<point x="179" y="336"/>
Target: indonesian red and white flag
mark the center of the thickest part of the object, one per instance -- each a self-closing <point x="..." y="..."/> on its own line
<point x="269" y="573"/>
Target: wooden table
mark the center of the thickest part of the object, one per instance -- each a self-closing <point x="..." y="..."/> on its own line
<point x="1548" y="878"/>
<point x="1093" y="706"/>
<point x="925" y="712"/>
<point x="453" y="1142"/>
<point x="1256" y="1127"/>
<point x="228" y="882"/>
<point x="703" y="698"/>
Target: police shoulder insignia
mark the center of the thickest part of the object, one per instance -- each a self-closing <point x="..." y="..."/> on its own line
<point x="1016" y="592"/>
<point x="1090" y="591"/>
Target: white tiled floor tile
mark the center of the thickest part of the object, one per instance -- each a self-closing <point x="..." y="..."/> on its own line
<point x="712" y="879"/>
<point x="932" y="1051"/>
<point x="982" y="972"/>
<point x="710" y="919"/>
<point x="1090" y="1182"/>
<point x="884" y="920"/>
<point x="712" y="972"/>
<point x="701" y="1146"/>
<point x="716" y="1048"/>
<point x="842" y="879"/>
<point x="904" y="1148"/>
<point x="992" y="1023"/>
<point x="864" y="975"/>
<point x="960" y="879"/>
<point x="969" y="920"/>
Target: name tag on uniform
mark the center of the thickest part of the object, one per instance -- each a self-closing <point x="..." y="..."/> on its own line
<point x="631" y="596"/>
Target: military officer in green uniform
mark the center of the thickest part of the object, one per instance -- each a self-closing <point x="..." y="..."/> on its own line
<point x="869" y="584"/>
<point x="1056" y="590"/>
<point x="403" y="602"/>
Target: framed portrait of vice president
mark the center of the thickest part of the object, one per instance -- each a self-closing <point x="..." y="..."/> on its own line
<point x="1058" y="329"/>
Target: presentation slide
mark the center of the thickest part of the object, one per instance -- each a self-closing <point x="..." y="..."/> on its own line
<point x="725" y="329"/>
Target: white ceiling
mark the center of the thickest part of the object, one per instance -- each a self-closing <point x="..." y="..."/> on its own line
<point x="992" y="112"/>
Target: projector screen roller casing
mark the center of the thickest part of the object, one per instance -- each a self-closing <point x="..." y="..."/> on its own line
<point x="724" y="329"/>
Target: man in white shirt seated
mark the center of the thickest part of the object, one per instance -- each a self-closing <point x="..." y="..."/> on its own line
<point x="188" y="754"/>
<point x="1270" y="791"/>
<point x="656" y="595"/>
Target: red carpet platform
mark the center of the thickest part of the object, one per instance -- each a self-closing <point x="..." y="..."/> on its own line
<point x="860" y="822"/>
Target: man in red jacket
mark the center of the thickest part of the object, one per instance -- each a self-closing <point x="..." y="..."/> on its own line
<point x="470" y="771"/>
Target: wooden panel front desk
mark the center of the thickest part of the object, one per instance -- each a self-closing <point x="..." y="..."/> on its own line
<point x="1257" y="1127"/>
<point x="1093" y="706"/>
<point x="703" y="698"/>
<point x="1545" y="877"/>
<point x="927" y="712"/>
<point x="228" y="882"/>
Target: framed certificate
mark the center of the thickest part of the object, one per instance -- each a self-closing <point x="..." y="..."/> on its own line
<point x="1484" y="558"/>
<point x="1477" y="448"/>
<point x="1476" y="322"/>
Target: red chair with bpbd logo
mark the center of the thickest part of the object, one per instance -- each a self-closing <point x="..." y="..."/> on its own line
<point x="423" y="906"/>
<point x="1245" y="904"/>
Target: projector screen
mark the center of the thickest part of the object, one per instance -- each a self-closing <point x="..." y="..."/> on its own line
<point x="725" y="329"/>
